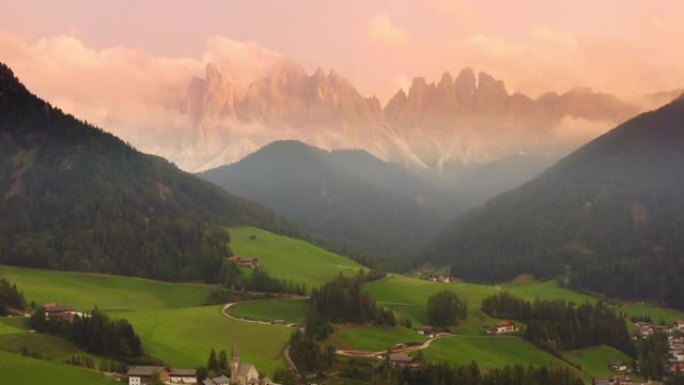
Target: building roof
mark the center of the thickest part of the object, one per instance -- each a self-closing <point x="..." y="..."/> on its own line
<point x="145" y="370"/>
<point x="52" y="308"/>
<point x="208" y="381"/>
<point x="400" y="357"/>
<point x="183" y="372"/>
<point x="221" y="380"/>
<point x="505" y="324"/>
<point x="244" y="368"/>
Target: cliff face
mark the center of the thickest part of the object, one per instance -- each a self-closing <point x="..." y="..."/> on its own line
<point x="469" y="119"/>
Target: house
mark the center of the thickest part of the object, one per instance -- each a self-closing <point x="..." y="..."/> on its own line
<point x="222" y="380"/>
<point x="403" y="360"/>
<point x="182" y="376"/>
<point x="428" y="331"/>
<point x="677" y="367"/>
<point x="244" y="262"/>
<point x="65" y="313"/>
<point x="504" y="327"/>
<point x="441" y="278"/>
<point x="679" y="325"/>
<point x="618" y="366"/>
<point x="146" y="375"/>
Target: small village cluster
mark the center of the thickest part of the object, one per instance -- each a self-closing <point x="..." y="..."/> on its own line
<point x="241" y="373"/>
<point x="675" y="333"/>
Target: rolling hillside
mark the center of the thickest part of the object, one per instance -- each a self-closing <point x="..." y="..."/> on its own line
<point x="289" y="258"/>
<point x="611" y="213"/>
<point x="73" y="197"/>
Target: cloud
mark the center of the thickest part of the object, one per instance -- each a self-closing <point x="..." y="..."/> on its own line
<point x="381" y="29"/>
<point x="132" y="93"/>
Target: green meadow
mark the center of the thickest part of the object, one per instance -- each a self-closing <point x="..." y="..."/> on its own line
<point x="289" y="310"/>
<point x="371" y="338"/>
<point x="289" y="258"/>
<point x="488" y="352"/>
<point x="656" y="313"/>
<point x="594" y="361"/>
<point x="16" y="369"/>
<point x="7" y="328"/>
<point x="183" y="337"/>
<point x="109" y="293"/>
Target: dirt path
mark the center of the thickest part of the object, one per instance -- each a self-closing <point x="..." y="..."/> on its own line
<point x="227" y="307"/>
<point x="363" y="353"/>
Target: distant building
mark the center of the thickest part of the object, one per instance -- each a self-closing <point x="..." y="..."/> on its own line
<point x="182" y="376"/>
<point x="502" y="328"/>
<point x="618" y="366"/>
<point x="244" y="262"/>
<point x="65" y="313"/>
<point x="428" y="331"/>
<point x="145" y="375"/>
<point x="403" y="360"/>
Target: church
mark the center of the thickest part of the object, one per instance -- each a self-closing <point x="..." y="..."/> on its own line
<point x="241" y="373"/>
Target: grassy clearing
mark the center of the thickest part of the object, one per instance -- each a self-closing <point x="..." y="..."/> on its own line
<point x="656" y="313"/>
<point x="109" y="293"/>
<point x="289" y="258"/>
<point x="289" y="310"/>
<point x="594" y="361"/>
<point x="488" y="352"/>
<point x="45" y="346"/>
<point x="6" y="326"/>
<point x="183" y="337"/>
<point x="16" y="369"/>
<point x="371" y="338"/>
<point x="408" y="296"/>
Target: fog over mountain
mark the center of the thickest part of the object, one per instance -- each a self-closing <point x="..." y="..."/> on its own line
<point x="469" y="119"/>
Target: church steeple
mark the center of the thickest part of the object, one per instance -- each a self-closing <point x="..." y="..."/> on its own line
<point x="234" y="364"/>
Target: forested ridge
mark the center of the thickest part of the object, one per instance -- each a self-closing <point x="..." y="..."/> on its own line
<point x="611" y="215"/>
<point x="74" y="197"/>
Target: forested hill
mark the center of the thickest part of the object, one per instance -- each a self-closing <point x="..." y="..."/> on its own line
<point x="75" y="197"/>
<point x="612" y="213"/>
<point x="348" y="198"/>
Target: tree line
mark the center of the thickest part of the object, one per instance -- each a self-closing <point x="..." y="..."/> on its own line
<point x="257" y="280"/>
<point x="556" y="325"/>
<point x="342" y="300"/>
<point x="10" y="297"/>
<point x="445" y="308"/>
<point x="94" y="332"/>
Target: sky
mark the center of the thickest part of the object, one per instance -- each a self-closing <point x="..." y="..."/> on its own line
<point x="119" y="63"/>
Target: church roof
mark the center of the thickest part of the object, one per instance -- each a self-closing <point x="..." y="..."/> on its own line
<point x="244" y="368"/>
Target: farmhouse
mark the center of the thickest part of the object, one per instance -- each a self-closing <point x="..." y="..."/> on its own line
<point x="501" y="328"/>
<point x="182" y="376"/>
<point x="403" y="360"/>
<point x="428" y="331"/>
<point x="146" y="375"/>
<point x="441" y="278"/>
<point x="618" y="366"/>
<point x="244" y="262"/>
<point x="65" y="313"/>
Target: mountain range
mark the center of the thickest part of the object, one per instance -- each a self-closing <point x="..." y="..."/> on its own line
<point x="610" y="215"/>
<point x="469" y="119"/>
<point x="75" y="197"/>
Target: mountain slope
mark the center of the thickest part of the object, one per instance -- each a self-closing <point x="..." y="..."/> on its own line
<point x="348" y="198"/>
<point x="74" y="197"/>
<point x="612" y="213"/>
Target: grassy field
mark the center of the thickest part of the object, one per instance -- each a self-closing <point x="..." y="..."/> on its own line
<point x="408" y="296"/>
<point x="371" y="338"/>
<point x="289" y="258"/>
<point x="183" y="337"/>
<point x="656" y="313"/>
<point x="595" y="360"/>
<point x="16" y="369"/>
<point x="488" y="352"/>
<point x="289" y="310"/>
<point x="47" y="347"/>
<point x="6" y="327"/>
<point x="109" y="293"/>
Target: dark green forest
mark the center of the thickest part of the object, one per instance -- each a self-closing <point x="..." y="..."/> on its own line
<point x="611" y="215"/>
<point x="556" y="325"/>
<point x="73" y="197"/>
<point x="445" y="309"/>
<point x="94" y="332"/>
<point x="10" y="297"/>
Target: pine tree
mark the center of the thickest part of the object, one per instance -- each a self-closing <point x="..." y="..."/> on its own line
<point x="212" y="364"/>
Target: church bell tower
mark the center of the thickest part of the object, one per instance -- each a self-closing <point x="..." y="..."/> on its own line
<point x="234" y="364"/>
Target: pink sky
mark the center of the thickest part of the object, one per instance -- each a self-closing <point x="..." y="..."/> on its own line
<point x="625" y="46"/>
